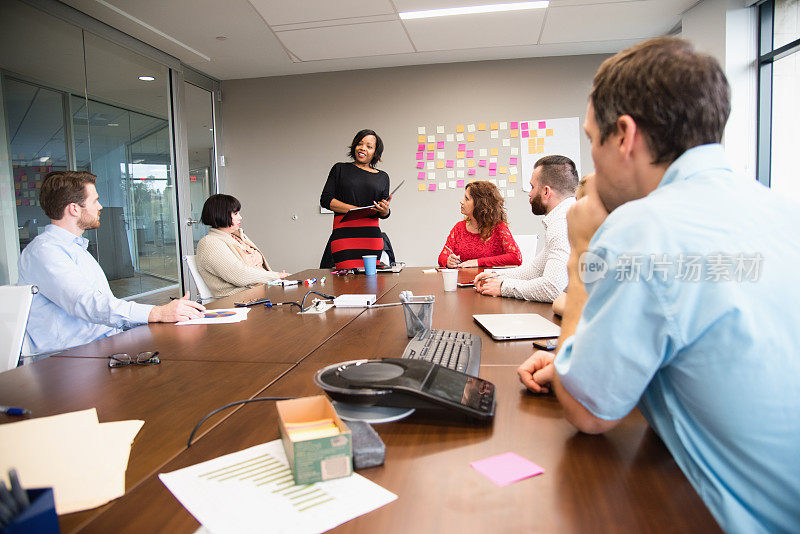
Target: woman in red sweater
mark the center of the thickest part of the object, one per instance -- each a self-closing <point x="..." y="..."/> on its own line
<point x="482" y="239"/>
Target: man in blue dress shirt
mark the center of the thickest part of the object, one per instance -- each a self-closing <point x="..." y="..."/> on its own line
<point x="682" y="296"/>
<point x="75" y="304"/>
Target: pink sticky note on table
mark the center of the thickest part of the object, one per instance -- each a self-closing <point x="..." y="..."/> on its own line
<point x="542" y="125"/>
<point x="419" y="155"/>
<point x="481" y="163"/>
<point x="462" y="147"/>
<point x="471" y="172"/>
<point x="459" y="183"/>
<point x="440" y="145"/>
<point x="421" y="147"/>
<point x="470" y="153"/>
<point x="525" y="133"/>
<point x="420" y="176"/>
<point x="524" y="126"/>
<point x="493" y="166"/>
<point x="492" y="173"/>
<point x="450" y="163"/>
<point x="431" y="187"/>
<point x="430" y="156"/>
<point x="420" y="165"/>
<point x="512" y="161"/>
<point x="514" y="125"/>
<point x="506" y="468"/>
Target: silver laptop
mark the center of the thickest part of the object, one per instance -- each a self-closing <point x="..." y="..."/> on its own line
<point x="517" y="325"/>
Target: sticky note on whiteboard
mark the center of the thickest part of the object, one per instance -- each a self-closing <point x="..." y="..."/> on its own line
<point x="442" y="185"/>
<point x="471" y="172"/>
<point x="421" y="130"/>
<point x="471" y="138"/>
<point x="542" y="125"/>
<point x="506" y="142"/>
<point x="420" y="164"/>
<point x="460" y="128"/>
<point x="451" y="184"/>
<point x="440" y="145"/>
<point x="512" y="161"/>
<point x="421" y="187"/>
<point x="459" y="183"/>
<point x="431" y="187"/>
<point x="420" y="176"/>
<point x="462" y="147"/>
<point x="470" y="127"/>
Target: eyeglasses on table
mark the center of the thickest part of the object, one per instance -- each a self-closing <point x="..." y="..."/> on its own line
<point x="143" y="358"/>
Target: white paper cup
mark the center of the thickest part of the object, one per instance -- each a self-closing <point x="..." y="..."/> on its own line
<point x="450" y="278"/>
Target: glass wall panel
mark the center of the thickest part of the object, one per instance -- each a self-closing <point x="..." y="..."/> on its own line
<point x="200" y="138"/>
<point x="129" y="151"/>
<point x="785" y="118"/>
<point x="787" y="22"/>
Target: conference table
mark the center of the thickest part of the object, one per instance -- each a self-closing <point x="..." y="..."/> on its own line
<point x="621" y="481"/>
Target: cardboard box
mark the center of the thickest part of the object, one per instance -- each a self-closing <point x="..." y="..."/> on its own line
<point x="315" y="460"/>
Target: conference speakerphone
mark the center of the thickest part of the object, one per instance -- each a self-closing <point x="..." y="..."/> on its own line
<point x="406" y="383"/>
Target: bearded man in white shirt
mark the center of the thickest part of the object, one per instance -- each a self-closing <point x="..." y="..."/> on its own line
<point x="544" y="277"/>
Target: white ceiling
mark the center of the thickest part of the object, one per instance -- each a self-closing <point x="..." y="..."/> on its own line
<point x="254" y="38"/>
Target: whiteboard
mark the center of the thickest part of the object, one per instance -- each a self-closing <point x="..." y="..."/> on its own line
<point x="563" y="140"/>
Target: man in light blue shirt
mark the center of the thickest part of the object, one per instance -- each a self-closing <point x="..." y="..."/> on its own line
<point x="682" y="299"/>
<point x="75" y="304"/>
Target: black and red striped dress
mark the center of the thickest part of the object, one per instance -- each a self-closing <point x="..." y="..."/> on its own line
<point x="353" y="239"/>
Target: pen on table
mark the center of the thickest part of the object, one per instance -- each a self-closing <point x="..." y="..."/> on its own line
<point x="10" y="410"/>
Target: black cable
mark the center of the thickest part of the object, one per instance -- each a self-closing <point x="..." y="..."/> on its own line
<point x="203" y="420"/>
<point x="303" y="302"/>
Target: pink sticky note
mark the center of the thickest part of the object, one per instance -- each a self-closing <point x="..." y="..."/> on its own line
<point x="506" y="468"/>
<point x="419" y="155"/>
<point x="525" y="133"/>
<point x="493" y="166"/>
<point x="460" y="183"/>
<point x="420" y="165"/>
<point x="492" y="173"/>
<point x="481" y="163"/>
<point x="462" y="147"/>
<point x="431" y="187"/>
<point x="420" y="176"/>
<point x="524" y="126"/>
<point x="542" y="125"/>
<point x="450" y="163"/>
<point x="471" y="172"/>
<point x="512" y="161"/>
<point x="440" y="145"/>
<point x="514" y="125"/>
<point x="430" y="156"/>
<point x="421" y="147"/>
<point x="470" y="153"/>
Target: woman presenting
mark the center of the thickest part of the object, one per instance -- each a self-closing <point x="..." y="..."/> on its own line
<point x="355" y="185"/>
<point x="482" y="239"/>
<point x="227" y="260"/>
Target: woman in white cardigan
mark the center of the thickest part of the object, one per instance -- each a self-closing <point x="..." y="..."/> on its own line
<point x="227" y="260"/>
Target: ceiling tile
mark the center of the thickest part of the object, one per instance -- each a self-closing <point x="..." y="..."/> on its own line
<point x="296" y="11"/>
<point x="476" y="31"/>
<point x="348" y="41"/>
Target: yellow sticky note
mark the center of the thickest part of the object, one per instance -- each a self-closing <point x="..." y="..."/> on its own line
<point x="549" y="131"/>
<point x="472" y="180"/>
<point x="440" y="164"/>
<point x="514" y="133"/>
<point x="481" y="126"/>
<point x="431" y="146"/>
<point x="512" y="178"/>
<point x="421" y="139"/>
<point x="531" y="142"/>
<point x="503" y="170"/>
<point x="540" y="149"/>
<point x="494" y="126"/>
<point x="460" y="155"/>
<point x="534" y="133"/>
<point x="540" y="141"/>
<point x="471" y="163"/>
<point x="493" y="152"/>
<point x="460" y="128"/>
<point x="421" y="187"/>
<point x="531" y="150"/>
<point x="471" y="138"/>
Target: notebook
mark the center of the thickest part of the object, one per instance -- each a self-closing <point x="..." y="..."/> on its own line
<point x="517" y="325"/>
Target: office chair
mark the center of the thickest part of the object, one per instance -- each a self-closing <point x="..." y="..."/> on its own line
<point x="15" y="305"/>
<point x="527" y="245"/>
<point x="203" y="290"/>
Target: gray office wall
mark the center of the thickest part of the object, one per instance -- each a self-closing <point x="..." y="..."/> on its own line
<point x="282" y="135"/>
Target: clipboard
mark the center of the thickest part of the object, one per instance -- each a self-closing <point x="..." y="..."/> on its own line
<point x="365" y="211"/>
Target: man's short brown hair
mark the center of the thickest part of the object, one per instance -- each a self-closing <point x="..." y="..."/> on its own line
<point x="679" y="98"/>
<point x="62" y="188"/>
<point x="559" y="173"/>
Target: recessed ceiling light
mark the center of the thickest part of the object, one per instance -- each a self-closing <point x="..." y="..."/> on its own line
<point x="146" y="78"/>
<point x="44" y="158"/>
<point x="220" y="37"/>
<point x="469" y="10"/>
<point x="113" y="124"/>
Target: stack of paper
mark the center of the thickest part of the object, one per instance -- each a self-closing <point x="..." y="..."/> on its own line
<point x="253" y="491"/>
<point x="322" y="428"/>
<point x="219" y="316"/>
<point x="83" y="460"/>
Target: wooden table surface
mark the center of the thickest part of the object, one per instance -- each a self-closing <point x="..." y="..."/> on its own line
<point x="624" y="480"/>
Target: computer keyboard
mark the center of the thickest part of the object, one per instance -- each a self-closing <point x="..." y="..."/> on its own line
<point x="457" y="350"/>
